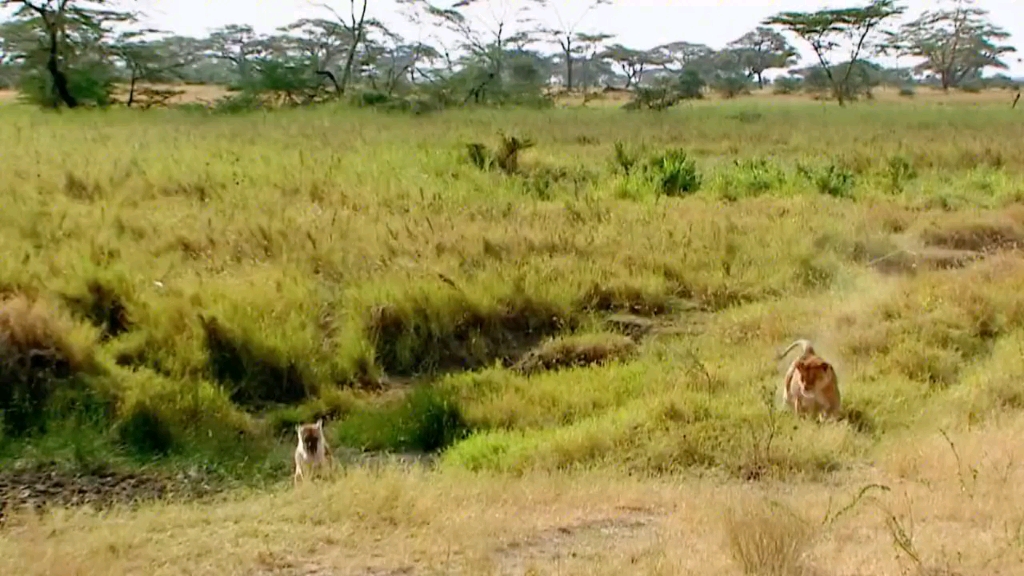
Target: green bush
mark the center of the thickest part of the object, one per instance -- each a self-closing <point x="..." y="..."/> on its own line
<point x="674" y="172"/>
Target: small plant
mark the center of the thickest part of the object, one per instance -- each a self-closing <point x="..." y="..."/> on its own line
<point x="674" y="172"/>
<point x="832" y="180"/>
<point x="506" y="157"/>
<point x="768" y="540"/>
<point x="625" y="158"/>
<point x="907" y="92"/>
<point x="898" y="171"/>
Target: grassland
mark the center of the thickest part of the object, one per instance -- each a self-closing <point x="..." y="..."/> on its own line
<point x="584" y="338"/>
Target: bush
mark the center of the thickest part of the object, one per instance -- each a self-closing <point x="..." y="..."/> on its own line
<point x="787" y="85"/>
<point x="732" y="86"/>
<point x="674" y="172"/>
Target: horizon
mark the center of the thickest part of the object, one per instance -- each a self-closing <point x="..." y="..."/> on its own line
<point x="675" y="20"/>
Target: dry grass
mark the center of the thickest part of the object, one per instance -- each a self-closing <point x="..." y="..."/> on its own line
<point x="394" y="520"/>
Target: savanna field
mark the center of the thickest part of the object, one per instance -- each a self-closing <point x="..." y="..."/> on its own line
<point x="542" y="341"/>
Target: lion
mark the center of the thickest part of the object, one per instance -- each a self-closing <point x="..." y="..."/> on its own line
<point x="312" y="450"/>
<point x="811" y="384"/>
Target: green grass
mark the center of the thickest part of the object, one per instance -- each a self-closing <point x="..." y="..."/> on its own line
<point x="234" y="275"/>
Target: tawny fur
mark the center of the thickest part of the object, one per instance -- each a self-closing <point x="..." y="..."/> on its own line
<point x="811" y="385"/>
<point x="312" y="451"/>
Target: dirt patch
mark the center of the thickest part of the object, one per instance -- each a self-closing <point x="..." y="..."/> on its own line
<point x="557" y="545"/>
<point x="40" y="489"/>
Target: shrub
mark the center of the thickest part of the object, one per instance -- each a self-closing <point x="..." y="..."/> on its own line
<point x="787" y="85"/>
<point x="674" y="172"/>
<point x="767" y="541"/>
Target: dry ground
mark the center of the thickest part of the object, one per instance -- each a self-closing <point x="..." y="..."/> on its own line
<point x="947" y="507"/>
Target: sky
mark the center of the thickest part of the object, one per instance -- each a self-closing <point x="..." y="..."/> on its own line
<point x="636" y="23"/>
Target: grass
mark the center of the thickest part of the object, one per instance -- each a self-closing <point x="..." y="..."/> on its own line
<point x="205" y="282"/>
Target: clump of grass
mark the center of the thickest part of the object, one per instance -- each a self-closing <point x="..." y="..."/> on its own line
<point x="427" y="419"/>
<point x="569" y="351"/>
<point x="832" y="180"/>
<point x="505" y="157"/>
<point x="898" y="171"/>
<point x="767" y="539"/>
<point x="625" y="157"/>
<point x="418" y="336"/>
<point x="255" y="374"/>
<point x="985" y="233"/>
<point x="674" y="172"/>
<point x="751" y="177"/>
<point x="145" y="431"/>
<point x="41" y="352"/>
<point x="103" y="306"/>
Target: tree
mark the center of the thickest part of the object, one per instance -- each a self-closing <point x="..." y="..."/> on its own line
<point x="678" y="56"/>
<point x="321" y="42"/>
<point x="763" y="49"/>
<point x="355" y="26"/>
<point x="145" y="62"/>
<point x="487" y="38"/>
<point x="238" y="44"/>
<point x="569" y="40"/>
<point x="632" y="62"/>
<point x="824" y="30"/>
<point x="60" y="24"/>
<point x="956" y="43"/>
<point x="590" y="47"/>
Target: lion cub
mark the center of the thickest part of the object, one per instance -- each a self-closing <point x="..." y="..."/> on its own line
<point x="312" y="450"/>
<point x="811" y="384"/>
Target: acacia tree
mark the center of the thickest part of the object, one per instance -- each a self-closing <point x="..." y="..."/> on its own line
<point x="763" y="49"/>
<point x="355" y="26"/>
<point x="632" y="62"/>
<point x="956" y="43"/>
<point x="238" y="44"/>
<point x="571" y="42"/>
<point x="56" y="21"/>
<point x="825" y="31"/>
<point x="321" y="42"/>
<point x="590" y="46"/>
<point x="487" y="38"/>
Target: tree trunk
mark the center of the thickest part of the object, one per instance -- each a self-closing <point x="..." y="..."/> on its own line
<point x="760" y="80"/>
<point x="357" y="29"/>
<point x="330" y="76"/>
<point x="60" y="80"/>
<point x="131" y="88"/>
<point x="568" y="63"/>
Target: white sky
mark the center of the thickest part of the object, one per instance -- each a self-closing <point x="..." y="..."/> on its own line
<point x="636" y="23"/>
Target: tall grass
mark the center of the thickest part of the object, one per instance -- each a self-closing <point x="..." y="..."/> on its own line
<point x="234" y="266"/>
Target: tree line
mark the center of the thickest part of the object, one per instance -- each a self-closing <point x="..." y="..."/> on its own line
<point x="79" y="52"/>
